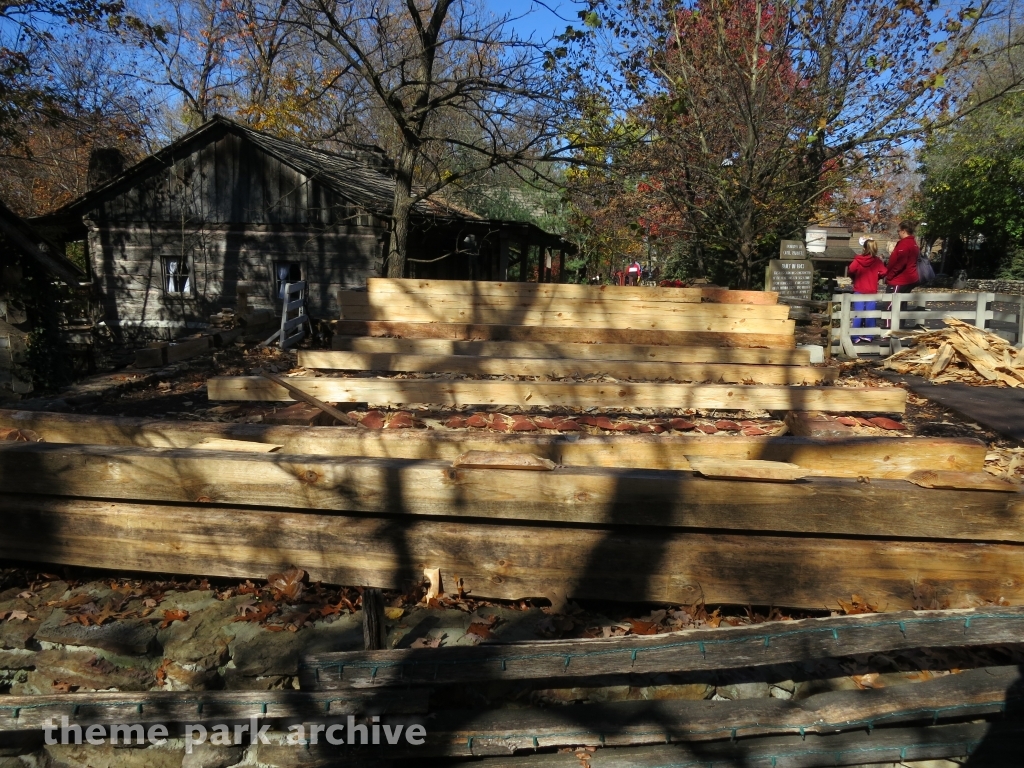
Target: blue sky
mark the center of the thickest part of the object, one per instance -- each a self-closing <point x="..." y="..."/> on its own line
<point x="541" y="20"/>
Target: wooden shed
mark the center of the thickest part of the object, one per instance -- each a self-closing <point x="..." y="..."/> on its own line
<point x="29" y="268"/>
<point x="225" y="209"/>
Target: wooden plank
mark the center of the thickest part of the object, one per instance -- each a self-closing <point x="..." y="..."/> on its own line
<point x="566" y="291"/>
<point x="875" y="457"/>
<point x="639" y="336"/>
<point x="496" y="733"/>
<point x="505" y="560"/>
<point x="469" y="309"/>
<point x="21" y="713"/>
<point x="572" y="318"/>
<point x="559" y="369"/>
<point x="308" y="398"/>
<point x="727" y="296"/>
<point x="568" y="495"/>
<point x="570" y="351"/>
<point x="183" y="350"/>
<point x="972" y="694"/>
<point x="998" y="742"/>
<point x="565" y="394"/>
<point x="694" y="650"/>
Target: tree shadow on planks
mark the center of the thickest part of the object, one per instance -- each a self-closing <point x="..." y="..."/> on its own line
<point x="997" y="750"/>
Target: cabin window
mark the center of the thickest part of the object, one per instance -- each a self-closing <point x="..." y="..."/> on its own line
<point x="177" y="277"/>
<point x="285" y="272"/>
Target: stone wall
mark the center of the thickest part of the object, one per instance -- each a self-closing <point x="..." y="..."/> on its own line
<point x="1012" y="287"/>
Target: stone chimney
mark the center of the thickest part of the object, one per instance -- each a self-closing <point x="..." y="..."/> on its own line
<point x="104" y="164"/>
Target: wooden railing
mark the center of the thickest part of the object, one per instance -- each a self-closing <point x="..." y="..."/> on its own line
<point x="999" y="313"/>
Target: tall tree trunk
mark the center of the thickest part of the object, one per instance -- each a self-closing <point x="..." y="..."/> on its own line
<point x="398" y="246"/>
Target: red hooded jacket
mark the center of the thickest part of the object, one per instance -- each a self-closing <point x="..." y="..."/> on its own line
<point x="865" y="271"/>
<point x="903" y="263"/>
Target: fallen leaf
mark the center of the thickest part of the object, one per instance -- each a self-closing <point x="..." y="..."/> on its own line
<point x="287" y="585"/>
<point x="866" y="681"/>
<point x="393" y="613"/>
<point x="480" y="630"/>
<point x="171" y="616"/>
<point x="17" y="616"/>
<point x="427" y="642"/>
<point x="642" y="627"/>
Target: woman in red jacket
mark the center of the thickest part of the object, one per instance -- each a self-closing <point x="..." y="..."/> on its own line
<point x="865" y="270"/>
<point x="901" y="276"/>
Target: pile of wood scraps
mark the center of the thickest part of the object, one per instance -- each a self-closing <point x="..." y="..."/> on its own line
<point x="961" y="353"/>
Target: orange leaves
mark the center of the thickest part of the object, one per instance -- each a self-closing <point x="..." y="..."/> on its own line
<point x="857" y="604"/>
<point x="287" y="585"/>
<point x="172" y="616"/>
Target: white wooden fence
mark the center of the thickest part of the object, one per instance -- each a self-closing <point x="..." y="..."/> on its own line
<point x="925" y="308"/>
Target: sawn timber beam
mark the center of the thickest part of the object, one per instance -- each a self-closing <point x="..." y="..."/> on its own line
<point x="528" y="394"/>
<point x="508" y="560"/>
<point x="561" y="335"/>
<point x="890" y="458"/>
<point x="567" y="495"/>
<point x="570" y="351"/>
<point x="565" y="368"/>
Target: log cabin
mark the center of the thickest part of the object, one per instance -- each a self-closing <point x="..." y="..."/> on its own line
<point x="29" y="269"/>
<point x="228" y="210"/>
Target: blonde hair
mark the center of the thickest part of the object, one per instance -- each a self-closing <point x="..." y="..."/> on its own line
<point x="870" y="246"/>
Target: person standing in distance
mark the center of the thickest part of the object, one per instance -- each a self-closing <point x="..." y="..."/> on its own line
<point x="901" y="274"/>
<point x="865" y="270"/>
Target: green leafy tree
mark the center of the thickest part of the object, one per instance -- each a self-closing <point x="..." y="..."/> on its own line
<point x="973" y="190"/>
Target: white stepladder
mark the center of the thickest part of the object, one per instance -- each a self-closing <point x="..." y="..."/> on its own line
<point x="293" y="328"/>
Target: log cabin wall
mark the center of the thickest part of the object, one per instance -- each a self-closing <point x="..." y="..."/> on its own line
<point x="233" y="214"/>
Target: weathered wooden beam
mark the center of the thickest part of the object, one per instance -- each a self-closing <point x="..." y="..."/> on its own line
<point x="976" y="693"/>
<point x="728" y="296"/>
<point x="557" y="335"/>
<point x="998" y="741"/>
<point x="570" y="317"/>
<point x="561" y="369"/>
<point x="569" y="495"/>
<point x="530" y="394"/>
<point x="519" y="310"/>
<point x="20" y="713"/>
<point x="505" y="559"/>
<point x="469" y="289"/>
<point x="652" y="354"/>
<point x="696" y="650"/>
<point x="875" y="457"/>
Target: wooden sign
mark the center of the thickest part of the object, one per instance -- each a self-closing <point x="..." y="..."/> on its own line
<point x="792" y="249"/>
<point x="791" y="278"/>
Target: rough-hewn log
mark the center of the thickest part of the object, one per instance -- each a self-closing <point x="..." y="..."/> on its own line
<point x="573" y="495"/>
<point x="506" y="559"/>
<point x="484" y="332"/>
<point x="602" y="313"/>
<point x="530" y="394"/>
<point x="561" y="291"/>
<point x="976" y="693"/>
<point x="574" y="318"/>
<point x="998" y="741"/>
<point x="561" y="369"/>
<point x="569" y="351"/>
<point x="21" y="713"/>
<point x="876" y="457"/>
<point x="674" y="652"/>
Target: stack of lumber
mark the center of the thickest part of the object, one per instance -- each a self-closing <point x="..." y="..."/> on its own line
<point x="963" y="353"/>
<point x="583" y="343"/>
<point x="584" y="529"/>
<point x="547" y="312"/>
<point x="393" y="693"/>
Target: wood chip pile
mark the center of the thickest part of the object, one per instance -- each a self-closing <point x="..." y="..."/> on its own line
<point x="961" y="352"/>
